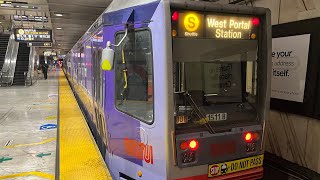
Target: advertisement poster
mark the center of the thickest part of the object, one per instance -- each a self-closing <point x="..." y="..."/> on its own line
<point x="289" y="67"/>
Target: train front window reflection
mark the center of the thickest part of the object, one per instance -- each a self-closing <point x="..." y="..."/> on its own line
<point x="220" y="76"/>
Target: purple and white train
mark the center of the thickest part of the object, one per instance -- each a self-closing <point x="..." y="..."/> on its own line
<point x="176" y="90"/>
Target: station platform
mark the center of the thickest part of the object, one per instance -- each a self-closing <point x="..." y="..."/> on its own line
<point x="43" y="134"/>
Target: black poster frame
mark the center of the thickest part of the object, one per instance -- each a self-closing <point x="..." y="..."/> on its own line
<point x="310" y="106"/>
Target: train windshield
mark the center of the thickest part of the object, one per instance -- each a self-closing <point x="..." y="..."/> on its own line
<point x="214" y="79"/>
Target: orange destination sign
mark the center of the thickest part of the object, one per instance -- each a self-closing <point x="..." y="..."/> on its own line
<point x="218" y="26"/>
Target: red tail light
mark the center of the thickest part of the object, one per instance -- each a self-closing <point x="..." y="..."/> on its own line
<point x="175" y="16"/>
<point x="248" y="137"/>
<point x="255" y="21"/>
<point x="184" y="145"/>
<point x="193" y="145"/>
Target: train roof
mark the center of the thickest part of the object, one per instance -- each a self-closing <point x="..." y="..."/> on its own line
<point x="117" y="5"/>
<point x="113" y="6"/>
<point x="123" y="4"/>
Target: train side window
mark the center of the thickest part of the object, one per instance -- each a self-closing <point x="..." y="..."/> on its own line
<point x="134" y="75"/>
<point x="81" y="66"/>
<point x="101" y="79"/>
<point x="98" y="79"/>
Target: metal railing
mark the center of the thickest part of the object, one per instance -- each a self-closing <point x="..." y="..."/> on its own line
<point x="4" y="79"/>
<point x="27" y="79"/>
<point x="32" y="71"/>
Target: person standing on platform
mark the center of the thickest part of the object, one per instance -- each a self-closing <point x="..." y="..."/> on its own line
<point x="45" y="70"/>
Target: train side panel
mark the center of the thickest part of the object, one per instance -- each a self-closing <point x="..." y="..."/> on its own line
<point x="135" y="146"/>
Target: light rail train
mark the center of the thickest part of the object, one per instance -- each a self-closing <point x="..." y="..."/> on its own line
<point x="176" y="90"/>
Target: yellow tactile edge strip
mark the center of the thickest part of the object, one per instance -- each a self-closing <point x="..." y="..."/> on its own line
<point x="79" y="156"/>
<point x="25" y="174"/>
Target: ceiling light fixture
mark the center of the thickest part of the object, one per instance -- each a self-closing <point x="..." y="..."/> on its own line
<point x="58" y="14"/>
<point x="59" y="28"/>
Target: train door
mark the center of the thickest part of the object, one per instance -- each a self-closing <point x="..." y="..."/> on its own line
<point x="133" y="109"/>
<point x="98" y="104"/>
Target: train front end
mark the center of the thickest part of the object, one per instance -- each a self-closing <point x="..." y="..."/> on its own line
<point x="221" y="80"/>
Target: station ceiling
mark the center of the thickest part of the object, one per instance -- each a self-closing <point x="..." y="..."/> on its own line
<point x="78" y="15"/>
<point x="68" y="19"/>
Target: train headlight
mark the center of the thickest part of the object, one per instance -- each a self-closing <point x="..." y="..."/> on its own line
<point x="248" y="137"/>
<point x="193" y="145"/>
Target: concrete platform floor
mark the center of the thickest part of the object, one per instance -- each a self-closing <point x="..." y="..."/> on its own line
<point x="28" y="119"/>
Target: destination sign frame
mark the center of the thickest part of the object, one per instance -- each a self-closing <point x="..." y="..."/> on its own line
<point x="32" y="35"/>
<point x="194" y="24"/>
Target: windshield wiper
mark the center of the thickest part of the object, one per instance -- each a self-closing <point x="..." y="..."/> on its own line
<point x="203" y="119"/>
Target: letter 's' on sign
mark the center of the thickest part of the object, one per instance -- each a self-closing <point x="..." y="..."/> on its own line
<point x="191" y="24"/>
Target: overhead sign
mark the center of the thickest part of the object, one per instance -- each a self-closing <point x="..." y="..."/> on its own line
<point x="289" y="67"/>
<point x="33" y="35"/>
<point x="30" y="18"/>
<point x="47" y="53"/>
<point x="218" y="26"/>
<point x="17" y="4"/>
<point x="40" y="44"/>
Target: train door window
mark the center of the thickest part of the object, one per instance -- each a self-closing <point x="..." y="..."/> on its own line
<point x="101" y="78"/>
<point x="134" y="75"/>
<point x="94" y="73"/>
<point x="96" y="76"/>
<point x="98" y="79"/>
<point x="75" y="66"/>
<point x="81" y="63"/>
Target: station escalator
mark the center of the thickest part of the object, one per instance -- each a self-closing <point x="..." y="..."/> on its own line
<point x="4" y="39"/>
<point x="22" y="64"/>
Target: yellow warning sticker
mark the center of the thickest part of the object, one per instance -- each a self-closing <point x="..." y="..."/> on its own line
<point x="235" y="166"/>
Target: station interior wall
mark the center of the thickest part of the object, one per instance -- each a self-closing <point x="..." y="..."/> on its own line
<point x="283" y="11"/>
<point x="293" y="137"/>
